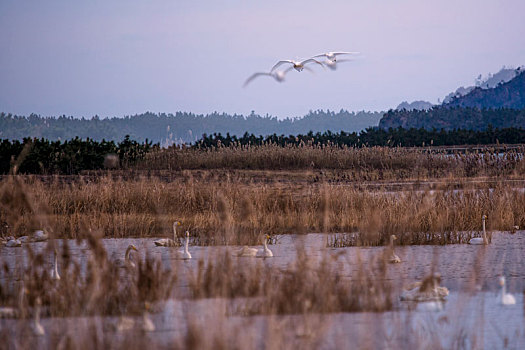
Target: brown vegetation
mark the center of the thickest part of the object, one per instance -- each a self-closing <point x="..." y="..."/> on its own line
<point x="222" y="211"/>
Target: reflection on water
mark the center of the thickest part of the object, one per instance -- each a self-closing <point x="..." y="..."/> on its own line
<point x="471" y="317"/>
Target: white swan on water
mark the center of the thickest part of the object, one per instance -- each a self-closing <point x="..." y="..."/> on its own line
<point x="246" y="251"/>
<point x="54" y="272"/>
<point x="38" y="236"/>
<point x="393" y="259"/>
<point x="264" y="252"/>
<point x="166" y="242"/>
<point x="505" y="298"/>
<point x="480" y="240"/>
<point x="13" y="243"/>
<point x="297" y="65"/>
<point x="185" y="254"/>
<point x="425" y="291"/>
<point x="36" y="327"/>
<point x="127" y="262"/>
<point x="147" y="323"/>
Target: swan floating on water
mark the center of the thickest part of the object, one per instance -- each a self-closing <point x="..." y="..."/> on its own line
<point x="54" y="272"/>
<point x="246" y="251"/>
<point x="185" y="254"/>
<point x="426" y="291"/>
<point x="166" y="242"/>
<point x="147" y="323"/>
<point x="127" y="262"/>
<point x="505" y="298"/>
<point x="332" y="56"/>
<point x="393" y="259"/>
<point x="297" y="65"/>
<point x="264" y="252"/>
<point x="38" y="236"/>
<point x="36" y="327"/>
<point x="480" y="240"/>
<point x="13" y="243"/>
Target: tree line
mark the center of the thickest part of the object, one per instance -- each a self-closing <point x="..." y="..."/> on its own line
<point x="374" y="137"/>
<point x="178" y="128"/>
<point x="41" y="156"/>
<point x="450" y="118"/>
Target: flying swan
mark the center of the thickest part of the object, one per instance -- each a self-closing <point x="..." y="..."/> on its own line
<point x="332" y="56"/>
<point x="297" y="65"/>
<point x="278" y="75"/>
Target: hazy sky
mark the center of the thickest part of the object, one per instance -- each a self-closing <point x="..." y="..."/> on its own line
<point x="115" y="58"/>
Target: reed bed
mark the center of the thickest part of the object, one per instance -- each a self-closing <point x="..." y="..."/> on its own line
<point x="224" y="212"/>
<point x="362" y="163"/>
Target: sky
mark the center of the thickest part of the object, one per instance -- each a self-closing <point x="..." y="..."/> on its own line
<point x="124" y="57"/>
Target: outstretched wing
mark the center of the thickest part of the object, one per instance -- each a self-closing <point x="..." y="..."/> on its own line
<point x="321" y="55"/>
<point x="253" y="76"/>
<point x="311" y="60"/>
<point x="288" y="69"/>
<point x="279" y="63"/>
<point x="344" y="53"/>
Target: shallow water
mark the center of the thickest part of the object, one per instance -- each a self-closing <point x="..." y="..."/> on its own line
<point x="471" y="318"/>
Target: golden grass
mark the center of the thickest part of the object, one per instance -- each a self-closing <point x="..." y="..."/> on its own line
<point x="226" y="212"/>
<point x="367" y="163"/>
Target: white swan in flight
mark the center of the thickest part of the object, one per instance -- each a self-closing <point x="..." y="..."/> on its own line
<point x="166" y="242"/>
<point x="278" y="75"/>
<point x="54" y="272"/>
<point x="264" y="252"/>
<point x="127" y="262"/>
<point x="185" y="254"/>
<point x="393" y="258"/>
<point x="334" y="64"/>
<point x="505" y="298"/>
<point x="297" y="65"/>
<point x="480" y="240"/>
<point x="426" y="290"/>
<point x="332" y="56"/>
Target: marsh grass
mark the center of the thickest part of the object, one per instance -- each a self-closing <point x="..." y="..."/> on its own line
<point x="225" y="212"/>
<point x="363" y="163"/>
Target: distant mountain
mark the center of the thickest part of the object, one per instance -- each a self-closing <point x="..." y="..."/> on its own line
<point x="510" y="94"/>
<point x="502" y="106"/>
<point x="180" y="127"/>
<point x="417" y="105"/>
<point x="488" y="82"/>
<point x="449" y="118"/>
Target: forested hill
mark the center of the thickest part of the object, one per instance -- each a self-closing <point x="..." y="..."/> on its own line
<point x="180" y="127"/>
<point x="448" y="118"/>
<point x="505" y="95"/>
